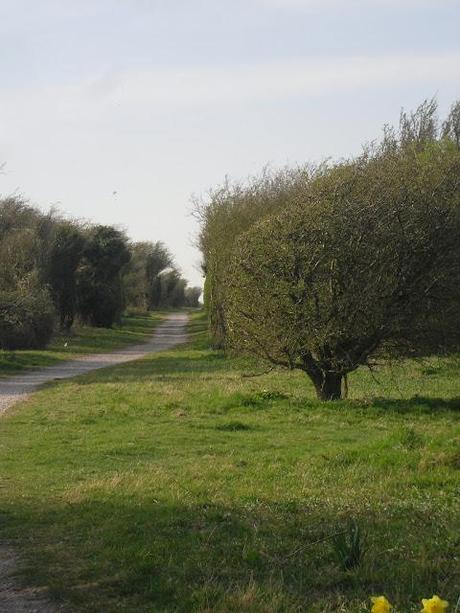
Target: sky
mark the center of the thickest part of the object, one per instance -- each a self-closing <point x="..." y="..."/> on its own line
<point x="118" y="111"/>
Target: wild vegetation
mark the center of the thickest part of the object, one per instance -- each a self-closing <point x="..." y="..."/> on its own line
<point x="54" y="270"/>
<point x="194" y="481"/>
<point x="327" y="268"/>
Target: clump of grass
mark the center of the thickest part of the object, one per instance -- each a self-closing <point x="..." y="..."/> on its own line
<point x="261" y="398"/>
<point x="348" y="546"/>
<point x="409" y="438"/>
<point x="233" y="426"/>
<point x="271" y="395"/>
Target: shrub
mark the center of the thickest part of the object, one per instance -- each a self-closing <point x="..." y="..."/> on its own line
<point x="26" y="319"/>
<point x="99" y="282"/>
<point x="364" y="261"/>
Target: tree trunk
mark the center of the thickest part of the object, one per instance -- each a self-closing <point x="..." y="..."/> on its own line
<point x="328" y="385"/>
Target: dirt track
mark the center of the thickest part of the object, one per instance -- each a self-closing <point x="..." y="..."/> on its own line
<point x="169" y="333"/>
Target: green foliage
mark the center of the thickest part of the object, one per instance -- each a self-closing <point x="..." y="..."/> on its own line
<point x="159" y="261"/>
<point x="451" y="127"/>
<point x="26" y="318"/>
<point x="26" y="310"/>
<point x="65" y="254"/>
<point x="151" y="280"/>
<point x="233" y="426"/>
<point x="346" y="261"/>
<point x="228" y="212"/>
<point x="100" y="295"/>
<point x="23" y="244"/>
<point x="367" y="263"/>
<point x="192" y="296"/>
<point x="348" y="546"/>
<point x="90" y="272"/>
<point x="141" y="275"/>
<point x="171" y="289"/>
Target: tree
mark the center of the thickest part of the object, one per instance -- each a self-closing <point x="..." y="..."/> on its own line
<point x="364" y="261"/>
<point x="26" y="317"/>
<point x="158" y="260"/>
<point x="172" y="289"/>
<point x="420" y="126"/>
<point x="99" y="286"/>
<point x="451" y="127"/>
<point x="65" y="253"/>
<point x="135" y="280"/>
<point x="26" y="309"/>
<point x="192" y="296"/>
<point x="151" y="280"/>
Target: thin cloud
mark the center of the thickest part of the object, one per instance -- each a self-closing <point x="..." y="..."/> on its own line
<point x="284" y="80"/>
<point x="277" y="81"/>
<point x="98" y="99"/>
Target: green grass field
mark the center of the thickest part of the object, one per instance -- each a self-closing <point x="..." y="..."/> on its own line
<point x="180" y="483"/>
<point x="82" y="340"/>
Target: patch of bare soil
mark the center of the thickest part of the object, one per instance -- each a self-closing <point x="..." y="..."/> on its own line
<point x="13" y="597"/>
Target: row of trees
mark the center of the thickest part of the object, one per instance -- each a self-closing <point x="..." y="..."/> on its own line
<point x="324" y="267"/>
<point x="53" y="270"/>
<point x="152" y="280"/>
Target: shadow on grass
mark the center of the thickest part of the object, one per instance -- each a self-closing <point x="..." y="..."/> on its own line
<point x="148" y="555"/>
<point x="165" y="367"/>
<point x="204" y="366"/>
<point x="420" y="404"/>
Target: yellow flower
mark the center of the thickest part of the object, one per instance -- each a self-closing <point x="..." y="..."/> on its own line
<point x="380" y="605"/>
<point x="434" y="605"/>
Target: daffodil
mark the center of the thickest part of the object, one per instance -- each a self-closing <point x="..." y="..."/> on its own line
<point x="434" y="605"/>
<point x="380" y="605"/>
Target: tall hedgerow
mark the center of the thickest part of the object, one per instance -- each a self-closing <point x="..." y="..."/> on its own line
<point x="226" y="212"/>
<point x="362" y="258"/>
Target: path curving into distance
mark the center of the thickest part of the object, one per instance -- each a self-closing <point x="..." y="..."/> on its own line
<point x="168" y="334"/>
<point x="15" y="598"/>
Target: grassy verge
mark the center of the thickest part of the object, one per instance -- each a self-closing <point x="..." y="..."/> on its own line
<point x="179" y="483"/>
<point x="83" y="340"/>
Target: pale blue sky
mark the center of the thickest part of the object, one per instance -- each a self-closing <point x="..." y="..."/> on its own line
<point x="161" y="99"/>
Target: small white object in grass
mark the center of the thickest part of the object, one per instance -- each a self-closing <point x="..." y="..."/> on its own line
<point x="65" y="344"/>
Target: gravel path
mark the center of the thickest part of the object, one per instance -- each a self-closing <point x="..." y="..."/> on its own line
<point x="15" y="598"/>
<point x="169" y="333"/>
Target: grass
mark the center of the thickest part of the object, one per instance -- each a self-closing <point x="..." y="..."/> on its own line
<point x="82" y="340"/>
<point x="179" y="483"/>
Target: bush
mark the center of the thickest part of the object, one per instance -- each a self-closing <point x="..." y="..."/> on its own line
<point x="26" y="319"/>
<point x="99" y="281"/>
<point x="322" y="267"/>
<point x="365" y="261"/>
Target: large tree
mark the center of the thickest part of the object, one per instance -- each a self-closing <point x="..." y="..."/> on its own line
<point x="65" y="252"/>
<point x="151" y="280"/>
<point x="99" y="286"/>
<point x="365" y="260"/>
<point x="159" y="259"/>
<point x="192" y="296"/>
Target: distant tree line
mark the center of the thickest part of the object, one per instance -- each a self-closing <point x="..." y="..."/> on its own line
<point x="54" y="270"/>
<point x="325" y="267"/>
